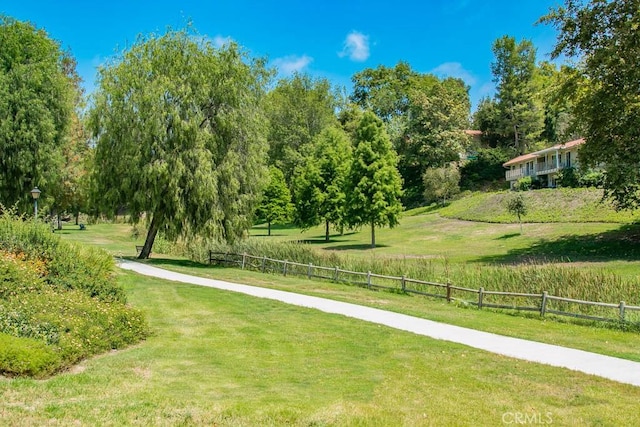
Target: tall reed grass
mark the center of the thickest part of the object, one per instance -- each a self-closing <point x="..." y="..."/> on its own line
<point x="562" y="280"/>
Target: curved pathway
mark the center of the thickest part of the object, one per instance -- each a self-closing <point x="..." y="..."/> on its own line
<point x="624" y="371"/>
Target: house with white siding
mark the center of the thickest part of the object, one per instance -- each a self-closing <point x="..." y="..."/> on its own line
<point x="544" y="165"/>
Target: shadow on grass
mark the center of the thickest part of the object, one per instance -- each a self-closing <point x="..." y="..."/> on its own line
<point x="159" y="262"/>
<point x="320" y="239"/>
<point x="357" y="247"/>
<point x="507" y="236"/>
<point x="622" y="244"/>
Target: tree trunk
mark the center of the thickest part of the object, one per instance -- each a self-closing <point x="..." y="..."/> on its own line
<point x="269" y="228"/>
<point x="59" y="226"/>
<point x="77" y="217"/>
<point x="151" y="236"/>
<point x="373" y="235"/>
<point x="326" y="230"/>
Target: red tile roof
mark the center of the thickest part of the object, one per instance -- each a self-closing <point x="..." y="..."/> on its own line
<point x="535" y="154"/>
<point x="520" y="159"/>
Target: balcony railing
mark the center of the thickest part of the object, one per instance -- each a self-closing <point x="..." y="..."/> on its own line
<point x="543" y="168"/>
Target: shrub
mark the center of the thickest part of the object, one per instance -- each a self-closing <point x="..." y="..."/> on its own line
<point x="592" y="178"/>
<point x="523" y="184"/>
<point x="68" y="266"/>
<point x="26" y="356"/>
<point x="574" y="178"/>
<point x="440" y="184"/>
<point x="59" y="302"/>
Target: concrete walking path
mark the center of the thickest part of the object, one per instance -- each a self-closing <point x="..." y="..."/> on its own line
<point x="620" y="370"/>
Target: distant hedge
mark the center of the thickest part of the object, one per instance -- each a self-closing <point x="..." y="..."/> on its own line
<point x="59" y="302"/>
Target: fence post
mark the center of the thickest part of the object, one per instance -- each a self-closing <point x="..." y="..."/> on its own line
<point x="309" y="271"/>
<point x="543" y="306"/>
<point x="264" y="261"/>
<point x="226" y="258"/>
<point x="480" y="296"/>
<point x="284" y="268"/>
<point x="244" y="257"/>
<point x="448" y="292"/>
<point x="369" y="279"/>
<point x="335" y="275"/>
<point x="210" y="255"/>
<point x="622" y="306"/>
<point x="403" y="282"/>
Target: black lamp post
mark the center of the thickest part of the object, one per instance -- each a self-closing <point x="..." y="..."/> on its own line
<point x="35" y="193"/>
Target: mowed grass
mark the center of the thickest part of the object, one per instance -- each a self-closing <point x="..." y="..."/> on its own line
<point x="434" y="239"/>
<point x="598" y="338"/>
<point x="588" y="336"/>
<point x="219" y="358"/>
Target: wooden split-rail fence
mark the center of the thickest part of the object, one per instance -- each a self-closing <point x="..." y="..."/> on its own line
<point x="542" y="303"/>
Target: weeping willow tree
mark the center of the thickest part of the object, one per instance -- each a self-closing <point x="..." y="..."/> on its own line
<point x="180" y="137"/>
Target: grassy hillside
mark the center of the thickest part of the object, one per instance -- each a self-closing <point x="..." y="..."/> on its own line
<point x="547" y="205"/>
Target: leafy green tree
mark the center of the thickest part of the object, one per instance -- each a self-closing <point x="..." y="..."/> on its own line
<point x="487" y="120"/>
<point x="605" y="86"/>
<point x="521" y="112"/>
<point x="276" y="206"/>
<point x="179" y="131"/>
<point x="441" y="184"/>
<point x="517" y="206"/>
<point x="73" y="185"/>
<point x="319" y="182"/>
<point x="383" y="90"/>
<point x="374" y="186"/>
<point x="298" y="109"/>
<point x="434" y="135"/>
<point x="484" y="170"/>
<point x="425" y="118"/>
<point x="36" y="104"/>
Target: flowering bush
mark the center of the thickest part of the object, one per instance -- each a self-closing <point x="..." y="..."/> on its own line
<point x="59" y="302"/>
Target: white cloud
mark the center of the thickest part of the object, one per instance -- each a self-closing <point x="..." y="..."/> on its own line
<point x="487" y="89"/>
<point x="292" y="63"/>
<point x="356" y="47"/>
<point x="220" y="41"/>
<point x="455" y="69"/>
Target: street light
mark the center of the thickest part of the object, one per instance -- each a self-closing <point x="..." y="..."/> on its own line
<point x="35" y="193"/>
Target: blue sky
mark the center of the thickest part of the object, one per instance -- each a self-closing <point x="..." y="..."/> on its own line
<point x="331" y="38"/>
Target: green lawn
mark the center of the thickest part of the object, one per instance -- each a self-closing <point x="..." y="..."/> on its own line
<point x="598" y="339"/>
<point x="219" y="358"/>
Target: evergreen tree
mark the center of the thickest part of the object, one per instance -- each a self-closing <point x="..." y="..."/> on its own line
<point x="319" y="182"/>
<point x="276" y="206"/>
<point x="521" y="111"/>
<point x="374" y="183"/>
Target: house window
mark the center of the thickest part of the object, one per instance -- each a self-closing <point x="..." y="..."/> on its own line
<point x="569" y="159"/>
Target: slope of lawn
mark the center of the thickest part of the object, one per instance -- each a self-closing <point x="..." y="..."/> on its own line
<point x="577" y="205"/>
<point x="218" y="358"/>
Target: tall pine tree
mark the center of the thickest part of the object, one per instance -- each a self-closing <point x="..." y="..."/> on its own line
<point x="374" y="184"/>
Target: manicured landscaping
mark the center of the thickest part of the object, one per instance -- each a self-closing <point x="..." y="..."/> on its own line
<point x="59" y="302"/>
